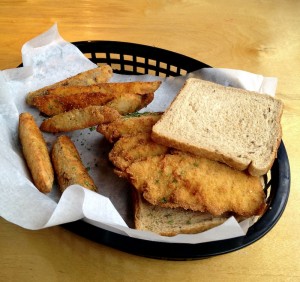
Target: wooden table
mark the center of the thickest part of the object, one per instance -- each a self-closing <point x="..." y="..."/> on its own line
<point x="257" y="36"/>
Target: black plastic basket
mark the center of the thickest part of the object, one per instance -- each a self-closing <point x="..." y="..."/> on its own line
<point x="130" y="58"/>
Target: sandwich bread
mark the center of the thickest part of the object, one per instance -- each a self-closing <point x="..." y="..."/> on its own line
<point x="169" y="221"/>
<point x="237" y="127"/>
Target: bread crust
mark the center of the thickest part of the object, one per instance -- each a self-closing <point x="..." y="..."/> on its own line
<point x="255" y="171"/>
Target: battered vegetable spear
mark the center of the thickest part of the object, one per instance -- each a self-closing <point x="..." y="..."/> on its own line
<point x="68" y="166"/>
<point x="36" y="153"/>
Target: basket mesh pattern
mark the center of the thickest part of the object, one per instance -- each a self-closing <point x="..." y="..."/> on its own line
<point x="130" y="58"/>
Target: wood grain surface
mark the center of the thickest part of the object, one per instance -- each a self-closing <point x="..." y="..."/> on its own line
<point x="260" y="36"/>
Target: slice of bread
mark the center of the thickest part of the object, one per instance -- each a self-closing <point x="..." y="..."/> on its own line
<point x="170" y="222"/>
<point x="230" y="125"/>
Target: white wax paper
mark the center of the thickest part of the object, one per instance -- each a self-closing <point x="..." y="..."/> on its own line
<point x="48" y="58"/>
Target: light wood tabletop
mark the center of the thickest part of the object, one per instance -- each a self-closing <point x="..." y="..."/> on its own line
<point x="257" y="36"/>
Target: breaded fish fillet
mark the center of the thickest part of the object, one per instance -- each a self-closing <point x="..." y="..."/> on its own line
<point x="130" y="149"/>
<point x="129" y="125"/>
<point x="190" y="182"/>
<point x="96" y="75"/>
<point x="66" y="98"/>
<point x="36" y="153"/>
<point x="68" y="165"/>
<point x="79" y="119"/>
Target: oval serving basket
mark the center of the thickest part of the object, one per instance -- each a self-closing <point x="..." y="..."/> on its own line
<point x="130" y="58"/>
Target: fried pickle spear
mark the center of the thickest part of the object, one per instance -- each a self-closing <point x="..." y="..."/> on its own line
<point x="128" y="125"/>
<point x="126" y="96"/>
<point x="68" y="165"/>
<point x="96" y="75"/>
<point x="36" y="153"/>
<point x="79" y="119"/>
<point x="190" y="182"/>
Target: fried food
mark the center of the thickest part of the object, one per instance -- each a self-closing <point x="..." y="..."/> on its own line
<point x="128" y="125"/>
<point x="130" y="149"/>
<point x="133" y="87"/>
<point x="96" y="75"/>
<point x="79" y="119"/>
<point x="194" y="183"/>
<point x="130" y="103"/>
<point x="68" y="166"/>
<point x="124" y="96"/>
<point x="36" y="153"/>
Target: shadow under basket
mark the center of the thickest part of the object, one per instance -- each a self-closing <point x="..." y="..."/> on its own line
<point x="135" y="59"/>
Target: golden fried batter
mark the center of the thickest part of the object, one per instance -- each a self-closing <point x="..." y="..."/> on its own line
<point x="79" y="119"/>
<point x="190" y="182"/>
<point x="96" y="75"/>
<point x="133" y="87"/>
<point x="129" y="149"/>
<point x="66" y="98"/>
<point x="129" y="103"/>
<point x="68" y="166"/>
<point x="128" y="126"/>
<point x="36" y="153"/>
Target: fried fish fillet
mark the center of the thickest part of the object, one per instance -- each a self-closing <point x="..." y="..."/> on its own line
<point x="96" y="75"/>
<point x="128" y="125"/>
<point x="120" y="95"/>
<point x="68" y="166"/>
<point x="132" y="148"/>
<point x="36" y="153"/>
<point x="79" y="119"/>
<point x="194" y="183"/>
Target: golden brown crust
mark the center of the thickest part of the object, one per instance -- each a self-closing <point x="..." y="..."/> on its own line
<point x="134" y="148"/>
<point x="127" y="103"/>
<point x="128" y="126"/>
<point x="79" y="119"/>
<point x="68" y="166"/>
<point x="190" y="182"/>
<point x="66" y="98"/>
<point x="96" y="75"/>
<point x="36" y="153"/>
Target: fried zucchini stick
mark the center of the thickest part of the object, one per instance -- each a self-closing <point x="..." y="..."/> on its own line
<point x="93" y="76"/>
<point x="36" y="153"/>
<point x="68" y="166"/>
<point x="79" y="119"/>
<point x="66" y="98"/>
